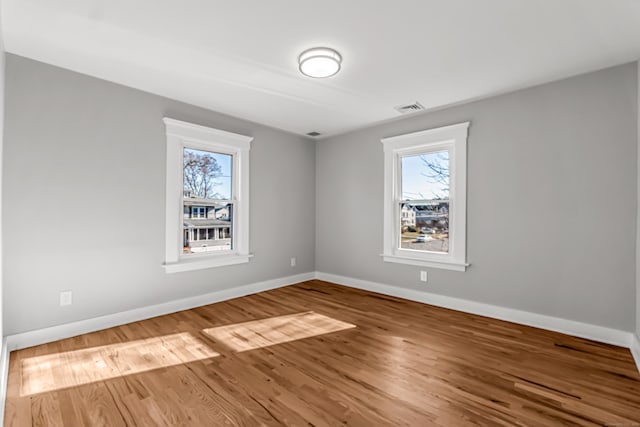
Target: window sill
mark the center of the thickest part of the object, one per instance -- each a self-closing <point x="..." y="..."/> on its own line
<point x="201" y="263"/>
<point x="445" y="265"/>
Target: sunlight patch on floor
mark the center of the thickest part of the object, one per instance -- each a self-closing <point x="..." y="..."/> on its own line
<point x="51" y="372"/>
<point x="275" y="330"/>
<point x="72" y="368"/>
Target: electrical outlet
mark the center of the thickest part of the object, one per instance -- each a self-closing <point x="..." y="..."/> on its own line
<point x="423" y="276"/>
<point x="66" y="298"/>
<point x="293" y="262"/>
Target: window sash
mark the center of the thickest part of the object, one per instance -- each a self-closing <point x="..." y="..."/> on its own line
<point x="232" y="202"/>
<point x="416" y="151"/>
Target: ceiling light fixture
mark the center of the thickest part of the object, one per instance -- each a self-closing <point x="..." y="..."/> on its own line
<point x="319" y="62"/>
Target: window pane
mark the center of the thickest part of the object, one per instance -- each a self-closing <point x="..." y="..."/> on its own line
<point x="425" y="226"/>
<point x="425" y="176"/>
<point x="203" y="230"/>
<point x="206" y="175"/>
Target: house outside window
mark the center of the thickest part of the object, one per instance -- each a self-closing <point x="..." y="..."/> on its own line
<point x="425" y="198"/>
<point x="207" y="197"/>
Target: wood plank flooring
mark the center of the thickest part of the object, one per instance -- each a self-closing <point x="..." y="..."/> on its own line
<point x="319" y="354"/>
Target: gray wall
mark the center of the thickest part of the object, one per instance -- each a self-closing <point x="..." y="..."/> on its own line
<point x="2" y="85"/>
<point x="82" y="155"/>
<point x="638" y="219"/>
<point x="551" y="201"/>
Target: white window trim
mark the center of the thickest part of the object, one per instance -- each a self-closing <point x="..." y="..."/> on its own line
<point x="179" y="135"/>
<point x="453" y="138"/>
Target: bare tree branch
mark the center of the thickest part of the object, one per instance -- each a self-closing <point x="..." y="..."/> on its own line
<point x="200" y="173"/>
<point x="437" y="169"/>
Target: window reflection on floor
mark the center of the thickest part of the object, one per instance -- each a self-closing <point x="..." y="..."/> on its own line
<point x="275" y="330"/>
<point x="73" y="368"/>
<point x="51" y="372"/>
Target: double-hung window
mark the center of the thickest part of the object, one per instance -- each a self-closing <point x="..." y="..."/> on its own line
<point x="207" y="197"/>
<point x="425" y="198"/>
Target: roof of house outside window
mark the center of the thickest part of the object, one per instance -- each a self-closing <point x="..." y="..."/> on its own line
<point x="205" y="223"/>
<point x="196" y="201"/>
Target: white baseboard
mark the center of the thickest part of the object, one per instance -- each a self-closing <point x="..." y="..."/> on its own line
<point x="569" y="327"/>
<point x="635" y="349"/>
<point x="54" y="333"/>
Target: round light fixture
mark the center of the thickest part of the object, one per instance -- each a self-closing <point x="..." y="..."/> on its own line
<point x="319" y="62"/>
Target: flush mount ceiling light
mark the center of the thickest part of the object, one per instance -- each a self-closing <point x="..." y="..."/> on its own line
<point x="319" y="62"/>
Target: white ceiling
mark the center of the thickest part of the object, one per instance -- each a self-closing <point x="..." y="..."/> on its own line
<point x="240" y="57"/>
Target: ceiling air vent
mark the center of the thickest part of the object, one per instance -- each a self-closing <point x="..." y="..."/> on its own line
<point x="410" y="108"/>
<point x="314" y="133"/>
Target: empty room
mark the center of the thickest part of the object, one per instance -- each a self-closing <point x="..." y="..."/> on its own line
<point x="339" y="213"/>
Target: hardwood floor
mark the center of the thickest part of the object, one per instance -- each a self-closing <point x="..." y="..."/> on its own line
<point x="319" y="354"/>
